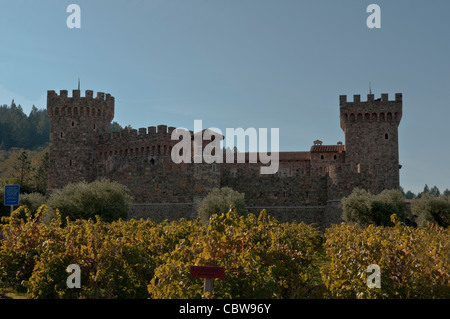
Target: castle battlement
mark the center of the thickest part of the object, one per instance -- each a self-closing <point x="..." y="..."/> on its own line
<point x="62" y="105"/>
<point x="370" y="98"/>
<point x="76" y="94"/>
<point x="379" y="110"/>
<point x="143" y="133"/>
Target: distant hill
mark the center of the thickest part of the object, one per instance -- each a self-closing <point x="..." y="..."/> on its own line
<point x="18" y="130"/>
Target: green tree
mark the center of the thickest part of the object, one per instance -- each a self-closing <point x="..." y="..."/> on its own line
<point x="435" y="191"/>
<point x="434" y="209"/>
<point x="22" y="171"/>
<point x="116" y="127"/>
<point x="218" y="201"/>
<point x="22" y="131"/>
<point x="365" y="208"/>
<point x="410" y="195"/>
<point x="41" y="173"/>
<point x="110" y="200"/>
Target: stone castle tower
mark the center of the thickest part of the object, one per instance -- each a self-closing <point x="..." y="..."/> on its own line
<point x="371" y="138"/>
<point x="307" y="187"/>
<point x="75" y="124"/>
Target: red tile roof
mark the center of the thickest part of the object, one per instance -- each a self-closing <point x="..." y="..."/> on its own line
<point x="328" y="148"/>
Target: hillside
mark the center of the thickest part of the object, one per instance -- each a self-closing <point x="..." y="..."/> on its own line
<point x="18" y="130"/>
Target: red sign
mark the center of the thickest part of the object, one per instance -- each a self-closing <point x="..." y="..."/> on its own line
<point x="208" y="272"/>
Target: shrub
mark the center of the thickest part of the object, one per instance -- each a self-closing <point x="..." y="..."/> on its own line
<point x="413" y="261"/>
<point x="110" y="200"/>
<point x="4" y="210"/>
<point x="432" y="209"/>
<point x="33" y="201"/>
<point x="364" y="208"/>
<point x="22" y="238"/>
<point x="218" y="201"/>
<point x="262" y="259"/>
<point x="114" y="259"/>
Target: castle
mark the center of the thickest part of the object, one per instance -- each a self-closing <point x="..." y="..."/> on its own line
<point x="307" y="187"/>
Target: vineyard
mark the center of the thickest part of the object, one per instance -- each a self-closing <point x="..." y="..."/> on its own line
<point x="263" y="258"/>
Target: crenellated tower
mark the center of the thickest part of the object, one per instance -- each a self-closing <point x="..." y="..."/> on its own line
<point x="75" y="125"/>
<point x="371" y="138"/>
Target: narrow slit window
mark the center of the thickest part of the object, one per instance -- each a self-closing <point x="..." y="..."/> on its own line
<point x="386" y="136"/>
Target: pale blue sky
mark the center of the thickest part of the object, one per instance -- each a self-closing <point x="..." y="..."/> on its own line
<point x="242" y="63"/>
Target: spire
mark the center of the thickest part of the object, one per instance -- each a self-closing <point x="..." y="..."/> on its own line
<point x="78" y="84"/>
<point x="370" y="88"/>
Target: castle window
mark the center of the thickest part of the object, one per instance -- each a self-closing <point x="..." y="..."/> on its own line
<point x="321" y="157"/>
<point x="94" y="127"/>
<point x="73" y="124"/>
<point x="386" y="136"/>
<point x="335" y="157"/>
<point x="70" y="163"/>
<point x="61" y="134"/>
<point x="234" y="174"/>
<point x="152" y="161"/>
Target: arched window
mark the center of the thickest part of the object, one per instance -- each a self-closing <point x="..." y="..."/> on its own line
<point x="386" y="136"/>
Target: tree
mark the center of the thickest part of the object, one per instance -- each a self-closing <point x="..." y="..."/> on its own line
<point x="22" y="167"/>
<point x="116" y="127"/>
<point x="410" y="195"/>
<point x="446" y="192"/>
<point x="435" y="191"/>
<point x="22" y="131"/>
<point x="364" y="208"/>
<point x="218" y="201"/>
<point x="434" y="209"/>
<point x="41" y="174"/>
<point x="109" y="200"/>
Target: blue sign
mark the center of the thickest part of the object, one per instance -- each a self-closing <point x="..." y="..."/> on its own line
<point x="12" y="195"/>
